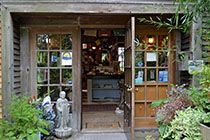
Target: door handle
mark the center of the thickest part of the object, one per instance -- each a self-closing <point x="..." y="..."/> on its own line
<point x="137" y="89"/>
<point x="129" y="89"/>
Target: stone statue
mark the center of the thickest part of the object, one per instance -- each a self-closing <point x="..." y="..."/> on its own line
<point x="62" y="107"/>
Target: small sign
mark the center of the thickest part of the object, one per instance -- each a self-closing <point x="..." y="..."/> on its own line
<point x="195" y="65"/>
<point x="66" y="58"/>
<point x="151" y="57"/>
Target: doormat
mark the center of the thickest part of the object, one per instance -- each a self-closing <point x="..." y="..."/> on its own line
<point x="102" y="125"/>
<point x="101" y="108"/>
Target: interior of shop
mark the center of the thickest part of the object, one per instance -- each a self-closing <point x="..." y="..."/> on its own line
<point x="102" y="78"/>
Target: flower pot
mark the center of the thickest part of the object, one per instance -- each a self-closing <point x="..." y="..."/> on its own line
<point x="205" y="131"/>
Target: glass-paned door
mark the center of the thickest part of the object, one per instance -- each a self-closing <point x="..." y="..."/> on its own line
<point x="53" y="65"/>
<point x="152" y="74"/>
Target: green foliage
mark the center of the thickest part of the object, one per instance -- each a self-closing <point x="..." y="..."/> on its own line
<point x="25" y="121"/>
<point x="159" y="102"/>
<point x="149" y="138"/>
<point x="192" y="10"/>
<point x="185" y="125"/>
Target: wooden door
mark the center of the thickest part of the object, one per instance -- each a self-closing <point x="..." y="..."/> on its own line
<point x="129" y="77"/>
<point x="153" y="73"/>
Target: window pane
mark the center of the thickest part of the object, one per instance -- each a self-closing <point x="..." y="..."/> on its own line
<point x="54" y="59"/>
<point x="139" y="76"/>
<point x="139" y="59"/>
<point x="42" y="59"/>
<point x="42" y="76"/>
<point x="162" y="59"/>
<point x="66" y="59"/>
<point x="163" y="42"/>
<point x="54" y="42"/>
<point x="151" y="74"/>
<point x="68" y="91"/>
<point x="66" y="42"/>
<point x="151" y="59"/>
<point x="54" y="76"/>
<point x="42" y="41"/>
<point x="151" y="42"/>
<point x="66" y="76"/>
<point x="163" y="75"/>
<point x="42" y="91"/>
<point x="54" y="92"/>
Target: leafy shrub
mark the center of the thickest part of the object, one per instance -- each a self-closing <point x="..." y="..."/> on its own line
<point x="25" y="122"/>
<point x="185" y="125"/>
<point x="178" y="99"/>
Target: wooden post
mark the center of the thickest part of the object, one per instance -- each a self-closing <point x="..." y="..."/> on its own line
<point x="77" y="81"/>
<point x="178" y="49"/>
<point x="24" y="48"/>
<point x="7" y="60"/>
<point x="196" y="47"/>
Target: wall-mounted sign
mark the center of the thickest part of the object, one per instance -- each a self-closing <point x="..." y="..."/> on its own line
<point x="151" y="57"/>
<point x="195" y="65"/>
<point x="66" y="58"/>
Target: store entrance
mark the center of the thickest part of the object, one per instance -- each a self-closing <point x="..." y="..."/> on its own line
<point x="102" y="79"/>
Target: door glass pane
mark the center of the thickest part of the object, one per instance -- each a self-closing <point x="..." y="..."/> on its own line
<point x="42" y="91"/>
<point x="66" y="76"/>
<point x="66" y="42"/>
<point x="151" y="42"/>
<point x="163" y="42"/>
<point x="163" y="75"/>
<point x="42" y="76"/>
<point x="151" y="59"/>
<point x="42" y="41"/>
<point x="54" y="59"/>
<point x="68" y="91"/>
<point x="151" y="74"/>
<point x="42" y="59"/>
<point x="162" y="59"/>
<point x="54" y="42"/>
<point x="139" y="76"/>
<point x="139" y="59"/>
<point x="54" y="76"/>
<point x="54" y="92"/>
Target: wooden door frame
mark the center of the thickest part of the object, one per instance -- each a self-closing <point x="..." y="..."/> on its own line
<point x="76" y="68"/>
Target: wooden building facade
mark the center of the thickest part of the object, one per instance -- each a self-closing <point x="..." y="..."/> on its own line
<point x="23" y="20"/>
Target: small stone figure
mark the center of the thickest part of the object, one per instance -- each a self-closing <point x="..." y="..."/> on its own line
<point x="62" y="106"/>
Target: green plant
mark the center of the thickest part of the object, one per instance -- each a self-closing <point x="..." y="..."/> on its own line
<point x="25" y="122"/>
<point x="185" y="125"/>
<point x="149" y="138"/>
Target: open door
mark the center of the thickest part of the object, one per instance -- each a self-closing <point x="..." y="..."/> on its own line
<point x="129" y="77"/>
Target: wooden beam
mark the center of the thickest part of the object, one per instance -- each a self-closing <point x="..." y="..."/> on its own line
<point x="24" y="53"/>
<point x="77" y="81"/>
<point x="196" y="46"/>
<point x="178" y="49"/>
<point x="100" y="8"/>
<point x="7" y="60"/>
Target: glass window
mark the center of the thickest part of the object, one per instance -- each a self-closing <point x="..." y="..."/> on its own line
<point x="54" y="65"/>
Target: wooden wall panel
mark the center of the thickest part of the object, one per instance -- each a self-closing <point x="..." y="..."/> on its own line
<point x="145" y="123"/>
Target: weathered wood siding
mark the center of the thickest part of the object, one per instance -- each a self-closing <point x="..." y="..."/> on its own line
<point x="16" y="37"/>
<point x="205" y="27"/>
